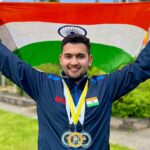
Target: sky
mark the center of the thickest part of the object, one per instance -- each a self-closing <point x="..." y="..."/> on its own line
<point x="60" y="0"/>
<point x="85" y="0"/>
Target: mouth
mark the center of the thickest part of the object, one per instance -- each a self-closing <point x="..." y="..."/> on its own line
<point x="74" y="69"/>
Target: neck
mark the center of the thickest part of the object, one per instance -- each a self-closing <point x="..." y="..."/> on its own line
<point x="76" y="80"/>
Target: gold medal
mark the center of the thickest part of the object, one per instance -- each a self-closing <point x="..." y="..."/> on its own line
<point x="75" y="139"/>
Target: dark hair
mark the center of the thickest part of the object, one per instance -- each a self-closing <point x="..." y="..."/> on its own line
<point x="76" y="38"/>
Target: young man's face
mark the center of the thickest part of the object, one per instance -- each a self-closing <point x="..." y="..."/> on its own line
<point x="75" y="60"/>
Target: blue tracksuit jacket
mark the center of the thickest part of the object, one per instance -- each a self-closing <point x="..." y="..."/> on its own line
<point x="47" y="91"/>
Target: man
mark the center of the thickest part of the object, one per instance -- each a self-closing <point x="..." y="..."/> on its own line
<point x="74" y="111"/>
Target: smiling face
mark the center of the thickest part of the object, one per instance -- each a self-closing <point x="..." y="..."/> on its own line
<point x="75" y="60"/>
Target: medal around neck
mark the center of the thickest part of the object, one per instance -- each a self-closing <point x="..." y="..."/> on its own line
<point x="76" y="139"/>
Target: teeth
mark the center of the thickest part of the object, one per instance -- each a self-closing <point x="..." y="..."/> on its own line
<point x="74" y="69"/>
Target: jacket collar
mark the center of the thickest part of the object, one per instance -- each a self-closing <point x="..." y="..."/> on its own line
<point x="71" y="84"/>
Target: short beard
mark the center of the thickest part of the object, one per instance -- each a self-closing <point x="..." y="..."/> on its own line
<point x="78" y="78"/>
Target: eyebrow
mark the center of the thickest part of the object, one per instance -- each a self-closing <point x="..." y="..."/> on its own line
<point x="73" y="54"/>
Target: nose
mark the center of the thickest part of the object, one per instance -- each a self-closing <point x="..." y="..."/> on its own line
<point x="74" y="61"/>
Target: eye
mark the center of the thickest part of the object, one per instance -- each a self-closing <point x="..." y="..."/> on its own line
<point x="81" y="56"/>
<point x="68" y="56"/>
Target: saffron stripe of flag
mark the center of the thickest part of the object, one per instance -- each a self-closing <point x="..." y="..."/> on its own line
<point x="92" y="102"/>
<point x="33" y="33"/>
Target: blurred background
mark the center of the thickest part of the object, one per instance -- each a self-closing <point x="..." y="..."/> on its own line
<point x="130" y="126"/>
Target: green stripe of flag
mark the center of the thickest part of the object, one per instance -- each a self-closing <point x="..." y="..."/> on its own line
<point x="93" y="104"/>
<point x="107" y="58"/>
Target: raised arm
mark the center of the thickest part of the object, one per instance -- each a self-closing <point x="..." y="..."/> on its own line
<point x="20" y="73"/>
<point x="123" y="81"/>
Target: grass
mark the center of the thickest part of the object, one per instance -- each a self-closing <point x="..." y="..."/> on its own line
<point x="118" y="147"/>
<point x="20" y="133"/>
<point x="17" y="132"/>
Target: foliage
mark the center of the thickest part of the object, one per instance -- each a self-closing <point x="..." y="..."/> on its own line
<point x="50" y="68"/>
<point x="20" y="133"/>
<point x="134" y="104"/>
<point x="94" y="71"/>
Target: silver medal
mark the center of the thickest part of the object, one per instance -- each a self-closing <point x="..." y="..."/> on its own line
<point x="87" y="140"/>
<point x="64" y="138"/>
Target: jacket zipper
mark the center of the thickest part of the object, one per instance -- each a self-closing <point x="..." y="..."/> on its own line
<point x="76" y="101"/>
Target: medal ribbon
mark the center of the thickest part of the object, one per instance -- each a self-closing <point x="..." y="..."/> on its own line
<point x="75" y="111"/>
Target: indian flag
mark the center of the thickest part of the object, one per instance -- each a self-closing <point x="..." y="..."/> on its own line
<point x="93" y="101"/>
<point x="116" y="30"/>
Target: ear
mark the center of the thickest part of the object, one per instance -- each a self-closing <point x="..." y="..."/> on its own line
<point x="60" y="61"/>
<point x="90" y="60"/>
